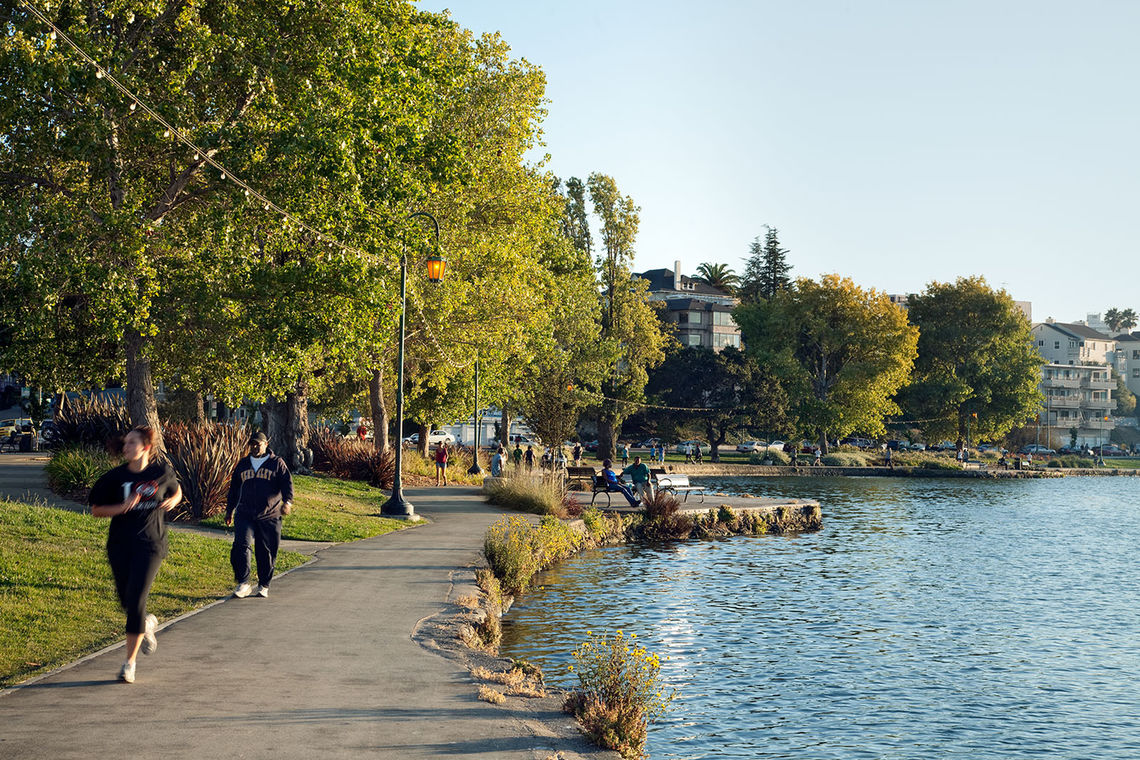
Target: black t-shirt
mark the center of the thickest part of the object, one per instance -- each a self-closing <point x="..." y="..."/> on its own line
<point x="146" y="522"/>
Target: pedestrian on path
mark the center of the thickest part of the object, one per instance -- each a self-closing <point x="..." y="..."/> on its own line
<point x="517" y="455"/>
<point x="623" y="452"/>
<point x="136" y="496"/>
<point x="577" y="454"/>
<point x="529" y="458"/>
<point x="441" y="464"/>
<point x="261" y="493"/>
<point x="638" y="472"/>
<point x="497" y="463"/>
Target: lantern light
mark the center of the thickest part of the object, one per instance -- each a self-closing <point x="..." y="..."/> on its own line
<point x="435" y="266"/>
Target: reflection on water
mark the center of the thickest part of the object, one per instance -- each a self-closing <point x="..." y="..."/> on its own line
<point x="929" y="618"/>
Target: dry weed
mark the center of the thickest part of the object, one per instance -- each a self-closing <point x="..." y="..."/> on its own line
<point x="487" y="694"/>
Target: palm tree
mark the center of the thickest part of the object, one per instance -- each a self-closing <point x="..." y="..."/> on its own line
<point x="719" y="276"/>
<point x="1128" y="319"/>
<point x="1113" y="318"/>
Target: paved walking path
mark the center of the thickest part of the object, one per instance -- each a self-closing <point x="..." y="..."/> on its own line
<point x="327" y="667"/>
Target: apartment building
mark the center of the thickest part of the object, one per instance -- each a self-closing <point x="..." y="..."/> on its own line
<point x="701" y="314"/>
<point x="1077" y="381"/>
<point x="1127" y="360"/>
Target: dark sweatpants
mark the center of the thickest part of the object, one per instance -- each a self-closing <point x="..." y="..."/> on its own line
<point x="134" y="566"/>
<point x="265" y="537"/>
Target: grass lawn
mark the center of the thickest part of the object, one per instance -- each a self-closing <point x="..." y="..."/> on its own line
<point x="57" y="598"/>
<point x="1123" y="464"/>
<point x="327" y="509"/>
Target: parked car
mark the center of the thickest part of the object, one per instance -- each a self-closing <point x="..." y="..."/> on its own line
<point x="649" y="443"/>
<point x="859" y="443"/>
<point x="1035" y="448"/>
<point x="895" y="445"/>
<point x="1109" y="450"/>
<point x="914" y="447"/>
<point x="945" y="446"/>
<point x="776" y="445"/>
<point x="11" y="425"/>
<point x="434" y="438"/>
<point x="592" y="445"/>
<point x="750" y="447"/>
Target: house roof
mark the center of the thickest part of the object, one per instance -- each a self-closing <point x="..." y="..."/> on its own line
<point x="692" y="304"/>
<point x="662" y="279"/>
<point x="1128" y="337"/>
<point x="1078" y="331"/>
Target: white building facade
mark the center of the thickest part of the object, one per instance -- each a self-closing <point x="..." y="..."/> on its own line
<point x="1077" y="382"/>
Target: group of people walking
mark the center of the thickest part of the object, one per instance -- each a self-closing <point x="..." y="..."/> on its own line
<point x="136" y="496"/>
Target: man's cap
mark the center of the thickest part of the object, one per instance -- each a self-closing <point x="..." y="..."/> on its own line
<point x="258" y="437"/>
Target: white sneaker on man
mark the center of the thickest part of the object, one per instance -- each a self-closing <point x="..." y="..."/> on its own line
<point x="127" y="673"/>
<point x="243" y="590"/>
<point x="149" y="642"/>
<point x="263" y="591"/>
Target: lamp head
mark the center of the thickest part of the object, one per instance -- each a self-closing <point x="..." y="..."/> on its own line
<point x="435" y="266"/>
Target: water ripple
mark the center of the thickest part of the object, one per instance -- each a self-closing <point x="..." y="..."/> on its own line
<point x="930" y="618"/>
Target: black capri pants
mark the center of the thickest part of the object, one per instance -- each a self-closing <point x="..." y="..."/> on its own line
<point x="134" y="565"/>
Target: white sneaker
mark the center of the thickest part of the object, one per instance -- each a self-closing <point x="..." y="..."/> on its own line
<point x="149" y="642"/>
<point x="243" y="590"/>
<point x="127" y="673"/>
<point x="263" y="591"/>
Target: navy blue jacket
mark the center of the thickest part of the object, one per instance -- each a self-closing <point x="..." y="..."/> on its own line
<point x="260" y="494"/>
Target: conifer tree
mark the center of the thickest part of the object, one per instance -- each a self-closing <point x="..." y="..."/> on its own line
<point x="767" y="270"/>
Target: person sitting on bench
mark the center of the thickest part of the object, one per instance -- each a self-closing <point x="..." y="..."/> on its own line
<point x="613" y="484"/>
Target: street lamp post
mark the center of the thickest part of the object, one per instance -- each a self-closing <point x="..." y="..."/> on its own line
<point x="397" y="506"/>
<point x="475" y="468"/>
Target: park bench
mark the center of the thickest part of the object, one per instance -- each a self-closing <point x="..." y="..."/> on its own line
<point x="581" y="475"/>
<point x="677" y="484"/>
<point x="601" y="485"/>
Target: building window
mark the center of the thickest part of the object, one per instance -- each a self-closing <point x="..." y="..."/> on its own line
<point x="694" y="317"/>
<point x="720" y="340"/>
<point x="723" y="318"/>
<point x="1136" y="354"/>
<point x="694" y="339"/>
<point x="1136" y="372"/>
<point x="1056" y="344"/>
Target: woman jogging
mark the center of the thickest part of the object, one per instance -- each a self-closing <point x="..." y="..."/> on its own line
<point x="136" y="496"/>
<point x="441" y="464"/>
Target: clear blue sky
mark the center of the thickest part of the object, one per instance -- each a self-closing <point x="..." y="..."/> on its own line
<point x="896" y="142"/>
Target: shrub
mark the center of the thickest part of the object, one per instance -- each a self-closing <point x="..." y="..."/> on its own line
<point x="663" y="521"/>
<point x="929" y="463"/>
<point x="620" y="694"/>
<point x="777" y="457"/>
<point x="845" y="459"/>
<point x="534" y="495"/>
<point x="203" y="456"/>
<point x="724" y="514"/>
<point x="75" y="469"/>
<point x="516" y="550"/>
<point x="353" y="459"/>
<point x="89" y="421"/>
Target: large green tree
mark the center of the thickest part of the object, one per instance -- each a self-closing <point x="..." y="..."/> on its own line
<point x="841" y="353"/>
<point x="766" y="272"/>
<point x="106" y="212"/>
<point x="976" y="366"/>
<point x="721" y="392"/>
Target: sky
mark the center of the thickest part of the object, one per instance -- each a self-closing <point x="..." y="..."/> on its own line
<point x="896" y="142"/>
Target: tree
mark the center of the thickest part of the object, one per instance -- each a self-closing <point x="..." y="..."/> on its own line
<point x="976" y="366"/>
<point x="841" y="353"/>
<point x="1125" y="398"/>
<point x="630" y="328"/>
<point x="1128" y="319"/>
<point x="106" y="211"/>
<point x="766" y="272"/>
<point x="720" y="391"/>
<point x="1113" y="319"/>
<point x="719" y="276"/>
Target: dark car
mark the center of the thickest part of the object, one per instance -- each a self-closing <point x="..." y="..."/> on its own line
<point x="592" y="445"/>
<point x="1108" y="450"/>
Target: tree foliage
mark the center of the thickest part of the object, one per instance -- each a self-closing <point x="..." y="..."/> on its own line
<point x="1120" y="319"/>
<point x="766" y="272"/>
<point x="719" y="276"/>
<point x="721" y="392"/>
<point x="976" y="362"/>
<point x="840" y="352"/>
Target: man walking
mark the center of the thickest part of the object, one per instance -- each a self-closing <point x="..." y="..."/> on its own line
<point x="261" y="493"/>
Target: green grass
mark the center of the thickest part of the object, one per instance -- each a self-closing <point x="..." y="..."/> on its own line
<point x="327" y="509"/>
<point x="57" y="598"/>
<point x="1123" y="464"/>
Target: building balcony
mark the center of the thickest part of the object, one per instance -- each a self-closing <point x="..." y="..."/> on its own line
<point x="1099" y="403"/>
<point x="1063" y="402"/>
<point x="1061" y="382"/>
<point x="1097" y="423"/>
<point x="1097" y="385"/>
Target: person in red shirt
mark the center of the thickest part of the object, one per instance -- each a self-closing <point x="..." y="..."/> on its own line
<point x="441" y="465"/>
<point x="361" y="432"/>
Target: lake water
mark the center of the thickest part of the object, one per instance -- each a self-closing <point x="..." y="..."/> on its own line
<point x="928" y="619"/>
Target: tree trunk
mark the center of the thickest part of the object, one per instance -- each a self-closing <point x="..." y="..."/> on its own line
<point x="823" y="448"/>
<point x="296" y="425"/>
<point x="423" y="446"/>
<point x="379" y="410"/>
<point x="199" y="408"/>
<point x="715" y="442"/>
<point x="273" y="424"/>
<point x="607" y="434"/>
<point x="141" y="406"/>
<point x="505" y="429"/>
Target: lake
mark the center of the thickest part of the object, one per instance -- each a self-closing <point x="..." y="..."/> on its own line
<point x="939" y="618"/>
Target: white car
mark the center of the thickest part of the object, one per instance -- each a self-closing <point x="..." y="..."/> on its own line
<point x="683" y="445"/>
<point x="434" y="438"/>
<point x="751" y="447"/>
